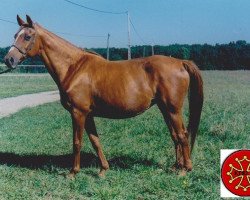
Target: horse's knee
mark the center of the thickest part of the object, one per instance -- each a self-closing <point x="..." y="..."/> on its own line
<point x="77" y="147"/>
<point x="96" y="144"/>
<point x="182" y="139"/>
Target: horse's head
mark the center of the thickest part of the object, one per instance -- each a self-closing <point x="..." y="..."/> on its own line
<point x="25" y="43"/>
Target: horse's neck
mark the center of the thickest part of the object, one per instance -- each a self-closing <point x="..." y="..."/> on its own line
<point x="58" y="55"/>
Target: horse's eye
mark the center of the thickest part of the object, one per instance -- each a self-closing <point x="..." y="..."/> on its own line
<point x="27" y="37"/>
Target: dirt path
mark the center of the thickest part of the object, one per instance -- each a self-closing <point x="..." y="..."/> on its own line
<point x="12" y="105"/>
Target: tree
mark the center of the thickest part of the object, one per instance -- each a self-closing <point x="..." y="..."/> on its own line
<point x="235" y="55"/>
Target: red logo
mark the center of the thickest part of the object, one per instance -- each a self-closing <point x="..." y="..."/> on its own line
<point x="235" y="173"/>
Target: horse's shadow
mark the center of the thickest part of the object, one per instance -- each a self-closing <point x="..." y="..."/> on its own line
<point x="65" y="161"/>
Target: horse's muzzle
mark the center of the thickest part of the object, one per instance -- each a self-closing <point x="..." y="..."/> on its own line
<point x="10" y="62"/>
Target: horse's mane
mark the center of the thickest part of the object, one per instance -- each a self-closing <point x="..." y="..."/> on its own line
<point x="65" y="41"/>
<point x="91" y="52"/>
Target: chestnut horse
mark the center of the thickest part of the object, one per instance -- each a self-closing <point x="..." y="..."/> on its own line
<point x="91" y="86"/>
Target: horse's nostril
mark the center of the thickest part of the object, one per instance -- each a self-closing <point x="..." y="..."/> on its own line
<point x="12" y="60"/>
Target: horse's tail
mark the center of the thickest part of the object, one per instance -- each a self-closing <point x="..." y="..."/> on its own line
<point x="195" y="99"/>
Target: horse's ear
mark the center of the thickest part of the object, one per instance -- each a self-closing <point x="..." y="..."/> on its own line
<point x="29" y="20"/>
<point x="19" y="21"/>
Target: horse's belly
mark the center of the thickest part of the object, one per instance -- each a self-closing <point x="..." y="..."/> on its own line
<point x="114" y="111"/>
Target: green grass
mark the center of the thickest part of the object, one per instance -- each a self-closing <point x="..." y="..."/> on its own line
<point x="16" y="85"/>
<point x="36" y="143"/>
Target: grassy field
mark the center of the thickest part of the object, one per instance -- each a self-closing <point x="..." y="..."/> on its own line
<point x="13" y="85"/>
<point x="36" y="144"/>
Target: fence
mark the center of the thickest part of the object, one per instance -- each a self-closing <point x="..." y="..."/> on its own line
<point x="27" y="69"/>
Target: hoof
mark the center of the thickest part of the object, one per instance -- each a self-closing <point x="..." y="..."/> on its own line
<point x="176" y="167"/>
<point x="182" y="173"/>
<point x="102" y="173"/>
<point x="173" y="169"/>
<point x="71" y="176"/>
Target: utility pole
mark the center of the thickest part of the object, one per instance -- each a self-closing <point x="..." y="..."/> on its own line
<point x="108" y="46"/>
<point x="129" y="49"/>
<point x="153" y="52"/>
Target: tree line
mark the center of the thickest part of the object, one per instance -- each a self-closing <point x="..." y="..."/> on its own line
<point x="232" y="56"/>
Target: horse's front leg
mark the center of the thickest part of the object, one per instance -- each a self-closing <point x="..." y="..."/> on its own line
<point x="78" y="121"/>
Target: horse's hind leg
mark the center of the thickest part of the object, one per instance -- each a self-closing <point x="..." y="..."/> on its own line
<point x="182" y="138"/>
<point x="179" y="163"/>
<point x="95" y="141"/>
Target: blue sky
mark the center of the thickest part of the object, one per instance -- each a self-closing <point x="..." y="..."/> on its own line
<point x="157" y="21"/>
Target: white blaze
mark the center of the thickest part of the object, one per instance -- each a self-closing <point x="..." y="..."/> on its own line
<point x="20" y="33"/>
